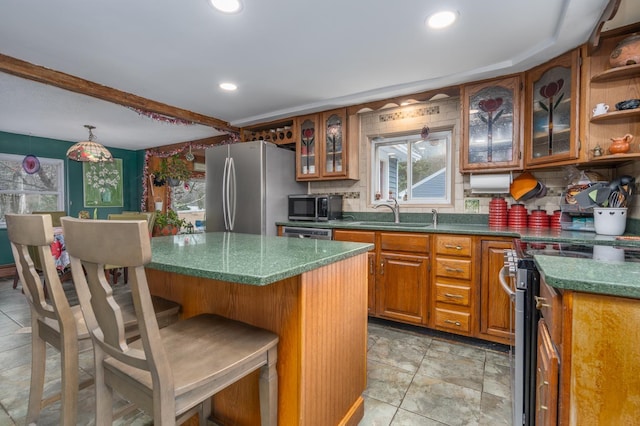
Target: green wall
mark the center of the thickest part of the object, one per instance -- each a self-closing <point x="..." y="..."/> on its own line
<point x="132" y="166"/>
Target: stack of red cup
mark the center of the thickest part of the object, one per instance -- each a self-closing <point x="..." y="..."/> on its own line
<point x="554" y="222"/>
<point x="538" y="219"/>
<point x="517" y="217"/>
<point x="497" y="212"/>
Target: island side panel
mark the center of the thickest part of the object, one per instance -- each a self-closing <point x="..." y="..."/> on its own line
<point x="334" y="343"/>
<point x="322" y="351"/>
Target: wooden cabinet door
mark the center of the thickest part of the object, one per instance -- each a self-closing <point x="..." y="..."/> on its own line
<point x="335" y="143"/>
<point x="491" y="125"/>
<point x="551" y="111"/>
<point x="495" y="306"/>
<point x="401" y="288"/>
<point x="308" y="147"/>
<point x="547" y="377"/>
<point x="364" y="237"/>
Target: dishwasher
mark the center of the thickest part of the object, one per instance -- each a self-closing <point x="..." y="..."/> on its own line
<point x="301" y="232"/>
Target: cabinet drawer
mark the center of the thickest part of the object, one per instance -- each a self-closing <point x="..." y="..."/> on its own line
<point x="453" y="320"/>
<point x="453" y="268"/>
<point x="549" y="303"/>
<point x="454" y="294"/>
<point x="355" y="236"/>
<point x="400" y="241"/>
<point x="453" y="245"/>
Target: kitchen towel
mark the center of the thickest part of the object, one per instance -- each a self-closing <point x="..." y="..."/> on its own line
<point x="490" y="183"/>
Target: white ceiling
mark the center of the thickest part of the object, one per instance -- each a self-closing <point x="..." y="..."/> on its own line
<point x="287" y="57"/>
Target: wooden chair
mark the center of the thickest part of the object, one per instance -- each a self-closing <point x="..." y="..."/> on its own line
<point x="170" y="373"/>
<point x="55" y="220"/>
<point x="54" y="321"/>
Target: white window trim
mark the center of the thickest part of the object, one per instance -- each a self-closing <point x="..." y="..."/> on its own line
<point x="424" y="202"/>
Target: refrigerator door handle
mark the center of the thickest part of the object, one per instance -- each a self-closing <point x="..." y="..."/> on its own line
<point x="232" y="193"/>
<point x="225" y="193"/>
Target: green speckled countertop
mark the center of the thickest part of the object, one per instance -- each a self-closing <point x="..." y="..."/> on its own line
<point x="589" y="275"/>
<point x="593" y="276"/>
<point x="244" y="258"/>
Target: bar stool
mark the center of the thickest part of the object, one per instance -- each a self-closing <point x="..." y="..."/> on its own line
<point x="171" y="373"/>
<point x="54" y="321"/>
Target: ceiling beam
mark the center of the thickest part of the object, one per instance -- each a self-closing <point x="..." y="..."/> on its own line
<point x="71" y="83"/>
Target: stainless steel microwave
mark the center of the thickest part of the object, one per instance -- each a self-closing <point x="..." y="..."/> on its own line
<point x="315" y="207"/>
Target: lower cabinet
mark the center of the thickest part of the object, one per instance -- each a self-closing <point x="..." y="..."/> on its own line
<point x="495" y="306"/>
<point x="364" y="237"/>
<point x="443" y="281"/>
<point x="401" y="292"/>
<point x="454" y="290"/>
<point x="588" y="352"/>
<point x="547" y="375"/>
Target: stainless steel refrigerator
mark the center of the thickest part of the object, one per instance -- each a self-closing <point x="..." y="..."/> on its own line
<point x="247" y="187"/>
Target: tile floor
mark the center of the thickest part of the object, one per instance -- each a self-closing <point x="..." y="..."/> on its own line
<point x="414" y="377"/>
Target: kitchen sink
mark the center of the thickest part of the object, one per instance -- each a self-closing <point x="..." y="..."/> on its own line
<point x="377" y="224"/>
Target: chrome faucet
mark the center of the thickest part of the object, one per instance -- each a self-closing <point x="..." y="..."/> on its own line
<point x="395" y="208"/>
<point x="434" y="217"/>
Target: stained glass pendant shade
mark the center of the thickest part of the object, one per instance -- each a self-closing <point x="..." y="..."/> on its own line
<point x="89" y="150"/>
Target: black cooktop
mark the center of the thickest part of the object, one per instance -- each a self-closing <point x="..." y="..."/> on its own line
<point x="596" y="252"/>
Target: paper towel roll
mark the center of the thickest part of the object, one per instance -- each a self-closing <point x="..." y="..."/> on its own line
<point x="490" y="184"/>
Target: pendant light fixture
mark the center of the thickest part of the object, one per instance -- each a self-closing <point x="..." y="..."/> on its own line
<point x="90" y="150"/>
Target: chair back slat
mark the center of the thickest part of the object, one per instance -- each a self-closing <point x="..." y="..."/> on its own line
<point x="56" y="215"/>
<point x="91" y="244"/>
<point x="29" y="232"/>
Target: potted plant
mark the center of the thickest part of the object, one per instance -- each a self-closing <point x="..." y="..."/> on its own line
<point x="168" y="223"/>
<point x="172" y="170"/>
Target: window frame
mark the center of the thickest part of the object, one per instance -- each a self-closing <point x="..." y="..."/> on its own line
<point x="61" y="192"/>
<point x="378" y="166"/>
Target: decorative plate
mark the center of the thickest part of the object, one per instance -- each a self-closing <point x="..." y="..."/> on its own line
<point x="31" y="164"/>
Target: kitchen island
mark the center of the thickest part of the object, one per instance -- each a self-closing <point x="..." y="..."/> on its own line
<point x="312" y="293"/>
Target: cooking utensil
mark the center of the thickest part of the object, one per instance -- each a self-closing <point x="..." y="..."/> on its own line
<point x="594" y="196"/>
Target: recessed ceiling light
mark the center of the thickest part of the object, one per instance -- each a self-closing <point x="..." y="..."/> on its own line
<point x="227" y="6"/>
<point x="228" y="86"/>
<point x="442" y="19"/>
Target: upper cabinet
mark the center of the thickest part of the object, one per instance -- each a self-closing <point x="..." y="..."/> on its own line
<point x="323" y="147"/>
<point x="491" y="125"/>
<point x="551" y="111"/>
<point x="610" y="85"/>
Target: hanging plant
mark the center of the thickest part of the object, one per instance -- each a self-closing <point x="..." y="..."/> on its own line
<point x="171" y="170"/>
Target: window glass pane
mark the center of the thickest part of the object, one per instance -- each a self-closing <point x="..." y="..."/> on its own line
<point x="21" y="192"/>
<point x="189" y="201"/>
<point x="412" y="169"/>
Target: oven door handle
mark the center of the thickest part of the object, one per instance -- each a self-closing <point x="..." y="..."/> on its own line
<point x="502" y="276"/>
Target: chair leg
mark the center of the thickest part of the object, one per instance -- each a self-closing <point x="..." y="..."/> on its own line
<point x="38" y="363"/>
<point x="104" y="394"/>
<point x="16" y="278"/>
<point x="70" y="380"/>
<point x="269" y="391"/>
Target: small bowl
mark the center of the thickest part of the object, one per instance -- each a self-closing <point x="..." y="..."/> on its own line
<point x="628" y="104"/>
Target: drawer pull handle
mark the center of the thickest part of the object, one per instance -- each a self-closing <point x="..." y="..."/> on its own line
<point x="544" y="407"/>
<point x="458" y="270"/>
<point x="371" y="267"/>
<point x="454" y="296"/>
<point x="382" y="268"/>
<point x="451" y="246"/>
<point x="540" y="302"/>
<point x="456" y="323"/>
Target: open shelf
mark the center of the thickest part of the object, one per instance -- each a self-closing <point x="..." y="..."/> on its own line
<point x="619" y="73"/>
<point x="615" y="115"/>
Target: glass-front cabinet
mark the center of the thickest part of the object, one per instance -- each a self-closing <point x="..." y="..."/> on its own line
<point x="551" y="125"/>
<point x="491" y="130"/>
<point x="322" y="146"/>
